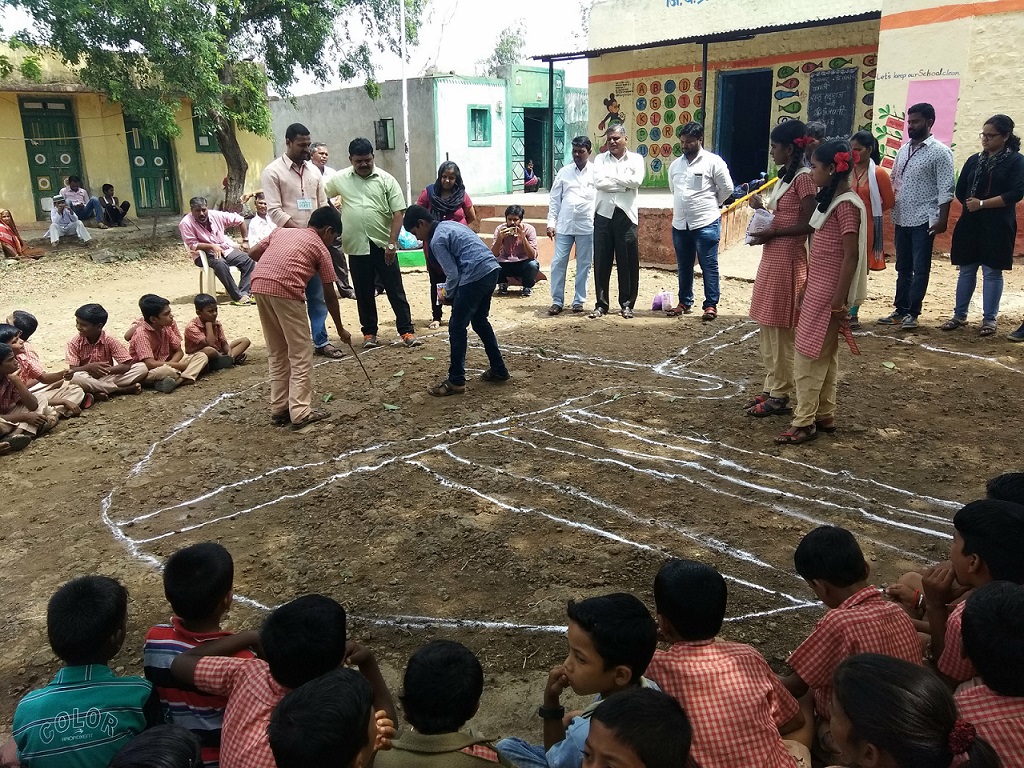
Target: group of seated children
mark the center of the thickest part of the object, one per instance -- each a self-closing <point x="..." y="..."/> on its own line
<point x="860" y="692"/>
<point x="99" y="366"/>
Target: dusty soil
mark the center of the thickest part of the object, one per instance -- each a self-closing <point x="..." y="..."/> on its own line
<point x="616" y="444"/>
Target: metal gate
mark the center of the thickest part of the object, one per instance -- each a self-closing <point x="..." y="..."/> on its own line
<point x="517" y="147"/>
<point x="51" y="141"/>
<point x="152" y="168"/>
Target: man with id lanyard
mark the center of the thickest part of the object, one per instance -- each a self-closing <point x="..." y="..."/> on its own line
<point x="293" y="188"/>
<point x="700" y="183"/>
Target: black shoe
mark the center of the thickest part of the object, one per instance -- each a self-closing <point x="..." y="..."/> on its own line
<point x="599" y="312"/>
<point x="490" y="375"/>
<point x="627" y="313"/>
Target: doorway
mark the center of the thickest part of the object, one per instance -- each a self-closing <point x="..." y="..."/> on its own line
<point x="153" y="182"/>
<point x="51" y="142"/>
<point x="535" y="143"/>
<point x="744" y="122"/>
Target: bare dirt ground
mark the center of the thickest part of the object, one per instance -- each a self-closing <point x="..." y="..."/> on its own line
<point x="616" y="444"/>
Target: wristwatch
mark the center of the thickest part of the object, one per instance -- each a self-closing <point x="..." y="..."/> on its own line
<point x="392" y="247"/>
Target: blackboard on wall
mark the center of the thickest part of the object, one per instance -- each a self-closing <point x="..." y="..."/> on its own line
<point x="832" y="100"/>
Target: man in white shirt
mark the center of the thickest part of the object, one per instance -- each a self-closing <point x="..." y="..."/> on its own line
<point x="571" y="221"/>
<point x="259" y="225"/>
<point x="618" y="174"/>
<point x="700" y="183"/>
<point x="319" y="155"/>
<point x="924" y="181"/>
<point x="63" y="221"/>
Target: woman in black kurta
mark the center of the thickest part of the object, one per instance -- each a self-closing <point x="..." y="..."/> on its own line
<point x="991" y="184"/>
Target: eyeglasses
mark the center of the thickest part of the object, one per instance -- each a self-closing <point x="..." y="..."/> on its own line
<point x="984" y="135"/>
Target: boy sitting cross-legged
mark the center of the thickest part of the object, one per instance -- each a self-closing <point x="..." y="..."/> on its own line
<point x="740" y="712"/>
<point x="440" y="693"/>
<point x="23" y="416"/>
<point x="639" y="728"/>
<point x="156" y="341"/>
<point x="198" y="585"/>
<point x="99" y="363"/>
<point x="299" y="641"/>
<point x="611" y="641"/>
<point x="860" y="620"/>
<point x="205" y="334"/>
<point x="83" y="717"/>
<point x="55" y="387"/>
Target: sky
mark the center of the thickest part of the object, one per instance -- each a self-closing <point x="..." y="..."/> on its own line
<point x="454" y="36"/>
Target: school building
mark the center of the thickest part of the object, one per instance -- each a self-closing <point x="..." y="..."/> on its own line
<point x="744" y="66"/>
<point x="489" y="126"/>
<point x="53" y="126"/>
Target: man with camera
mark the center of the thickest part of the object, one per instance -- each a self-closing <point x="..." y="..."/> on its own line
<point x="515" y="247"/>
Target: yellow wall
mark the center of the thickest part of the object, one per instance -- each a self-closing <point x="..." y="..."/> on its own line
<point x="625" y="77"/>
<point x="104" y="147"/>
<point x="15" y="184"/>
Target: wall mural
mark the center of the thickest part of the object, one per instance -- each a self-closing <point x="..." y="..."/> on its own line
<point x="889" y="132"/>
<point x="792" y="82"/>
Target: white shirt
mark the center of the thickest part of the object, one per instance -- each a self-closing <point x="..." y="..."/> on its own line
<point x="259" y="228"/>
<point x="922" y="178"/>
<point x="616" y="182"/>
<point x="328" y="172"/>
<point x="67" y="221"/>
<point x="698" y="189"/>
<point x="571" y="200"/>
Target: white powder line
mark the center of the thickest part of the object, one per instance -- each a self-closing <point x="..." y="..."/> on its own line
<point x="942" y="350"/>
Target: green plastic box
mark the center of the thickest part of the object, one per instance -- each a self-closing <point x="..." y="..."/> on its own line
<point x="412" y="258"/>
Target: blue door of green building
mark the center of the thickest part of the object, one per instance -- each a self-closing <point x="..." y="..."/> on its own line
<point x="51" y="142"/>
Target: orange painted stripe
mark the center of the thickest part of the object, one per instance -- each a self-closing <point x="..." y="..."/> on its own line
<point x="764" y="61"/>
<point x="944" y="13"/>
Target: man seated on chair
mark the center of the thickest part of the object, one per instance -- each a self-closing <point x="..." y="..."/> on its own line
<point x="78" y="199"/>
<point x="114" y="211"/>
<point x="204" y="230"/>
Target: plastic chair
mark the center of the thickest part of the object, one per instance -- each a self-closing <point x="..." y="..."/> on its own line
<point x="207" y="277"/>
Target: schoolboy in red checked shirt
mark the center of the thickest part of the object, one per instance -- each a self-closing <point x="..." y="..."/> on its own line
<point x="860" y="620"/>
<point x="740" y="712"/>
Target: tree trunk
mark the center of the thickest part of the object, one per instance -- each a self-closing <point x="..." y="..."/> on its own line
<point x="227" y="139"/>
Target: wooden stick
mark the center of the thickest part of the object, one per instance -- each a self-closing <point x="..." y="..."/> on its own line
<point x="360" y="362"/>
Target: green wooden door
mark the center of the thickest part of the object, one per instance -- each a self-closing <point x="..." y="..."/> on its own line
<point x="517" y="146"/>
<point x="152" y="167"/>
<point x="560" y="141"/>
<point x="51" y="142"/>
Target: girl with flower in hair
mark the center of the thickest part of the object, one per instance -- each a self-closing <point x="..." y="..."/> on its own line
<point x="889" y="713"/>
<point x="782" y="273"/>
<point x="836" y="280"/>
<point x="871" y="181"/>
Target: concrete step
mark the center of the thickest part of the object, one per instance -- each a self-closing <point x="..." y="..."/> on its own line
<point x="532" y="211"/>
<point x="545" y="247"/>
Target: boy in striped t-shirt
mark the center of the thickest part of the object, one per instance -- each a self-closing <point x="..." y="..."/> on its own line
<point x="198" y="585"/>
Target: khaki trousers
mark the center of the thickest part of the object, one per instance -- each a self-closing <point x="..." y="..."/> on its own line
<point x="289" y="355"/>
<point x="107" y="385"/>
<point x="777" y="355"/>
<point x="194" y="365"/>
<point x="59" y="390"/>
<point x="7" y="427"/>
<point x="816" y="384"/>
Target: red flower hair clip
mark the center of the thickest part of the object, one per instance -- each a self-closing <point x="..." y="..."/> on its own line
<point x="961" y="738"/>
<point x="842" y="161"/>
<point x="802" y="141"/>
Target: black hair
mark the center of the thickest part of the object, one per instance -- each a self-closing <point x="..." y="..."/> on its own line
<point x="25" y="322"/>
<point x="583" y="141"/>
<point x="83" y="615"/>
<point x="692" y="596"/>
<point x="8" y="332"/>
<point x="442" y="687"/>
<point x="303" y="639"/>
<point x="692" y="128"/>
<point x="359" y="147"/>
<point x="94" y="314"/>
<point x="870" y="143"/>
<point x="924" y="109"/>
<point x="515" y="210"/>
<point x="650" y="723"/>
<point x="993" y="635"/>
<point x="326" y="216"/>
<point x="162" y="746"/>
<point x="826" y="154"/>
<point x="5" y="351"/>
<point x="74" y="178"/>
<point x="1008" y="486"/>
<point x="152" y="305"/>
<point x="994" y="531"/>
<point x="414" y="214"/>
<point x="295" y="129"/>
<point x="829" y="553"/>
<point x="1004" y="125"/>
<point x="323" y="723"/>
<point x="197" y="202"/>
<point x="621" y="628"/>
<point x="448" y="165"/>
<point x="904" y="710"/>
<point x="816" y="129"/>
<point x="203" y="300"/>
<point x="197" y="579"/>
<point x="107" y="186"/>
<point x="786" y="134"/>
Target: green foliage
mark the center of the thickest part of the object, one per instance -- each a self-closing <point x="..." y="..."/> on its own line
<point x="508" y="50"/>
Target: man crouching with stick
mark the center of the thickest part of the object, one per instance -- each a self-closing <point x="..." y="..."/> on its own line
<point x="286" y="260"/>
<point x="472" y="273"/>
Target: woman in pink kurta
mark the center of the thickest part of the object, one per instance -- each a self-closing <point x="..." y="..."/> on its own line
<point x="834" y="282"/>
<point x="783" y="269"/>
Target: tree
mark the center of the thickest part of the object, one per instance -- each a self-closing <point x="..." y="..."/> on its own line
<point x="219" y="54"/>
<point x="508" y="50"/>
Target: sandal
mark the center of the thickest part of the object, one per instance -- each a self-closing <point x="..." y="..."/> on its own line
<point x="828" y="426"/>
<point x="490" y="375"/>
<point x="555" y="309"/>
<point x="772" y="406"/>
<point x="89" y="400"/>
<point x="797" y="435"/>
<point x="17" y="442"/>
<point x="952" y="324"/>
<point x="434" y="325"/>
<point x="757" y="400"/>
<point x="446" y="388"/>
<point x="679" y="309"/>
<point x="710" y="313"/>
<point x="280" y="419"/>
<point x="318" y="415"/>
<point x="329" y="350"/>
<point x="987" y="330"/>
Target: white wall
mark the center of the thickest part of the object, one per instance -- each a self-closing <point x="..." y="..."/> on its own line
<point x="484" y="169"/>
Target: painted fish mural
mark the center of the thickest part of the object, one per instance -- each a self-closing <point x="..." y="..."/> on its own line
<point x="869" y="75"/>
<point x="838" y="63"/>
<point x="782" y="95"/>
<point x="810" y="66"/>
<point x="784" y="119"/>
<point x="869" y="114"/>
<point x="793" y="82"/>
<point x="868" y="100"/>
<point x="787" y="71"/>
<point x="870" y="61"/>
<point x="792" y="108"/>
<point x="869" y="85"/>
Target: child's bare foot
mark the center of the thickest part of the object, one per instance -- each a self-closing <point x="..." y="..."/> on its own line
<point x="134" y="389"/>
